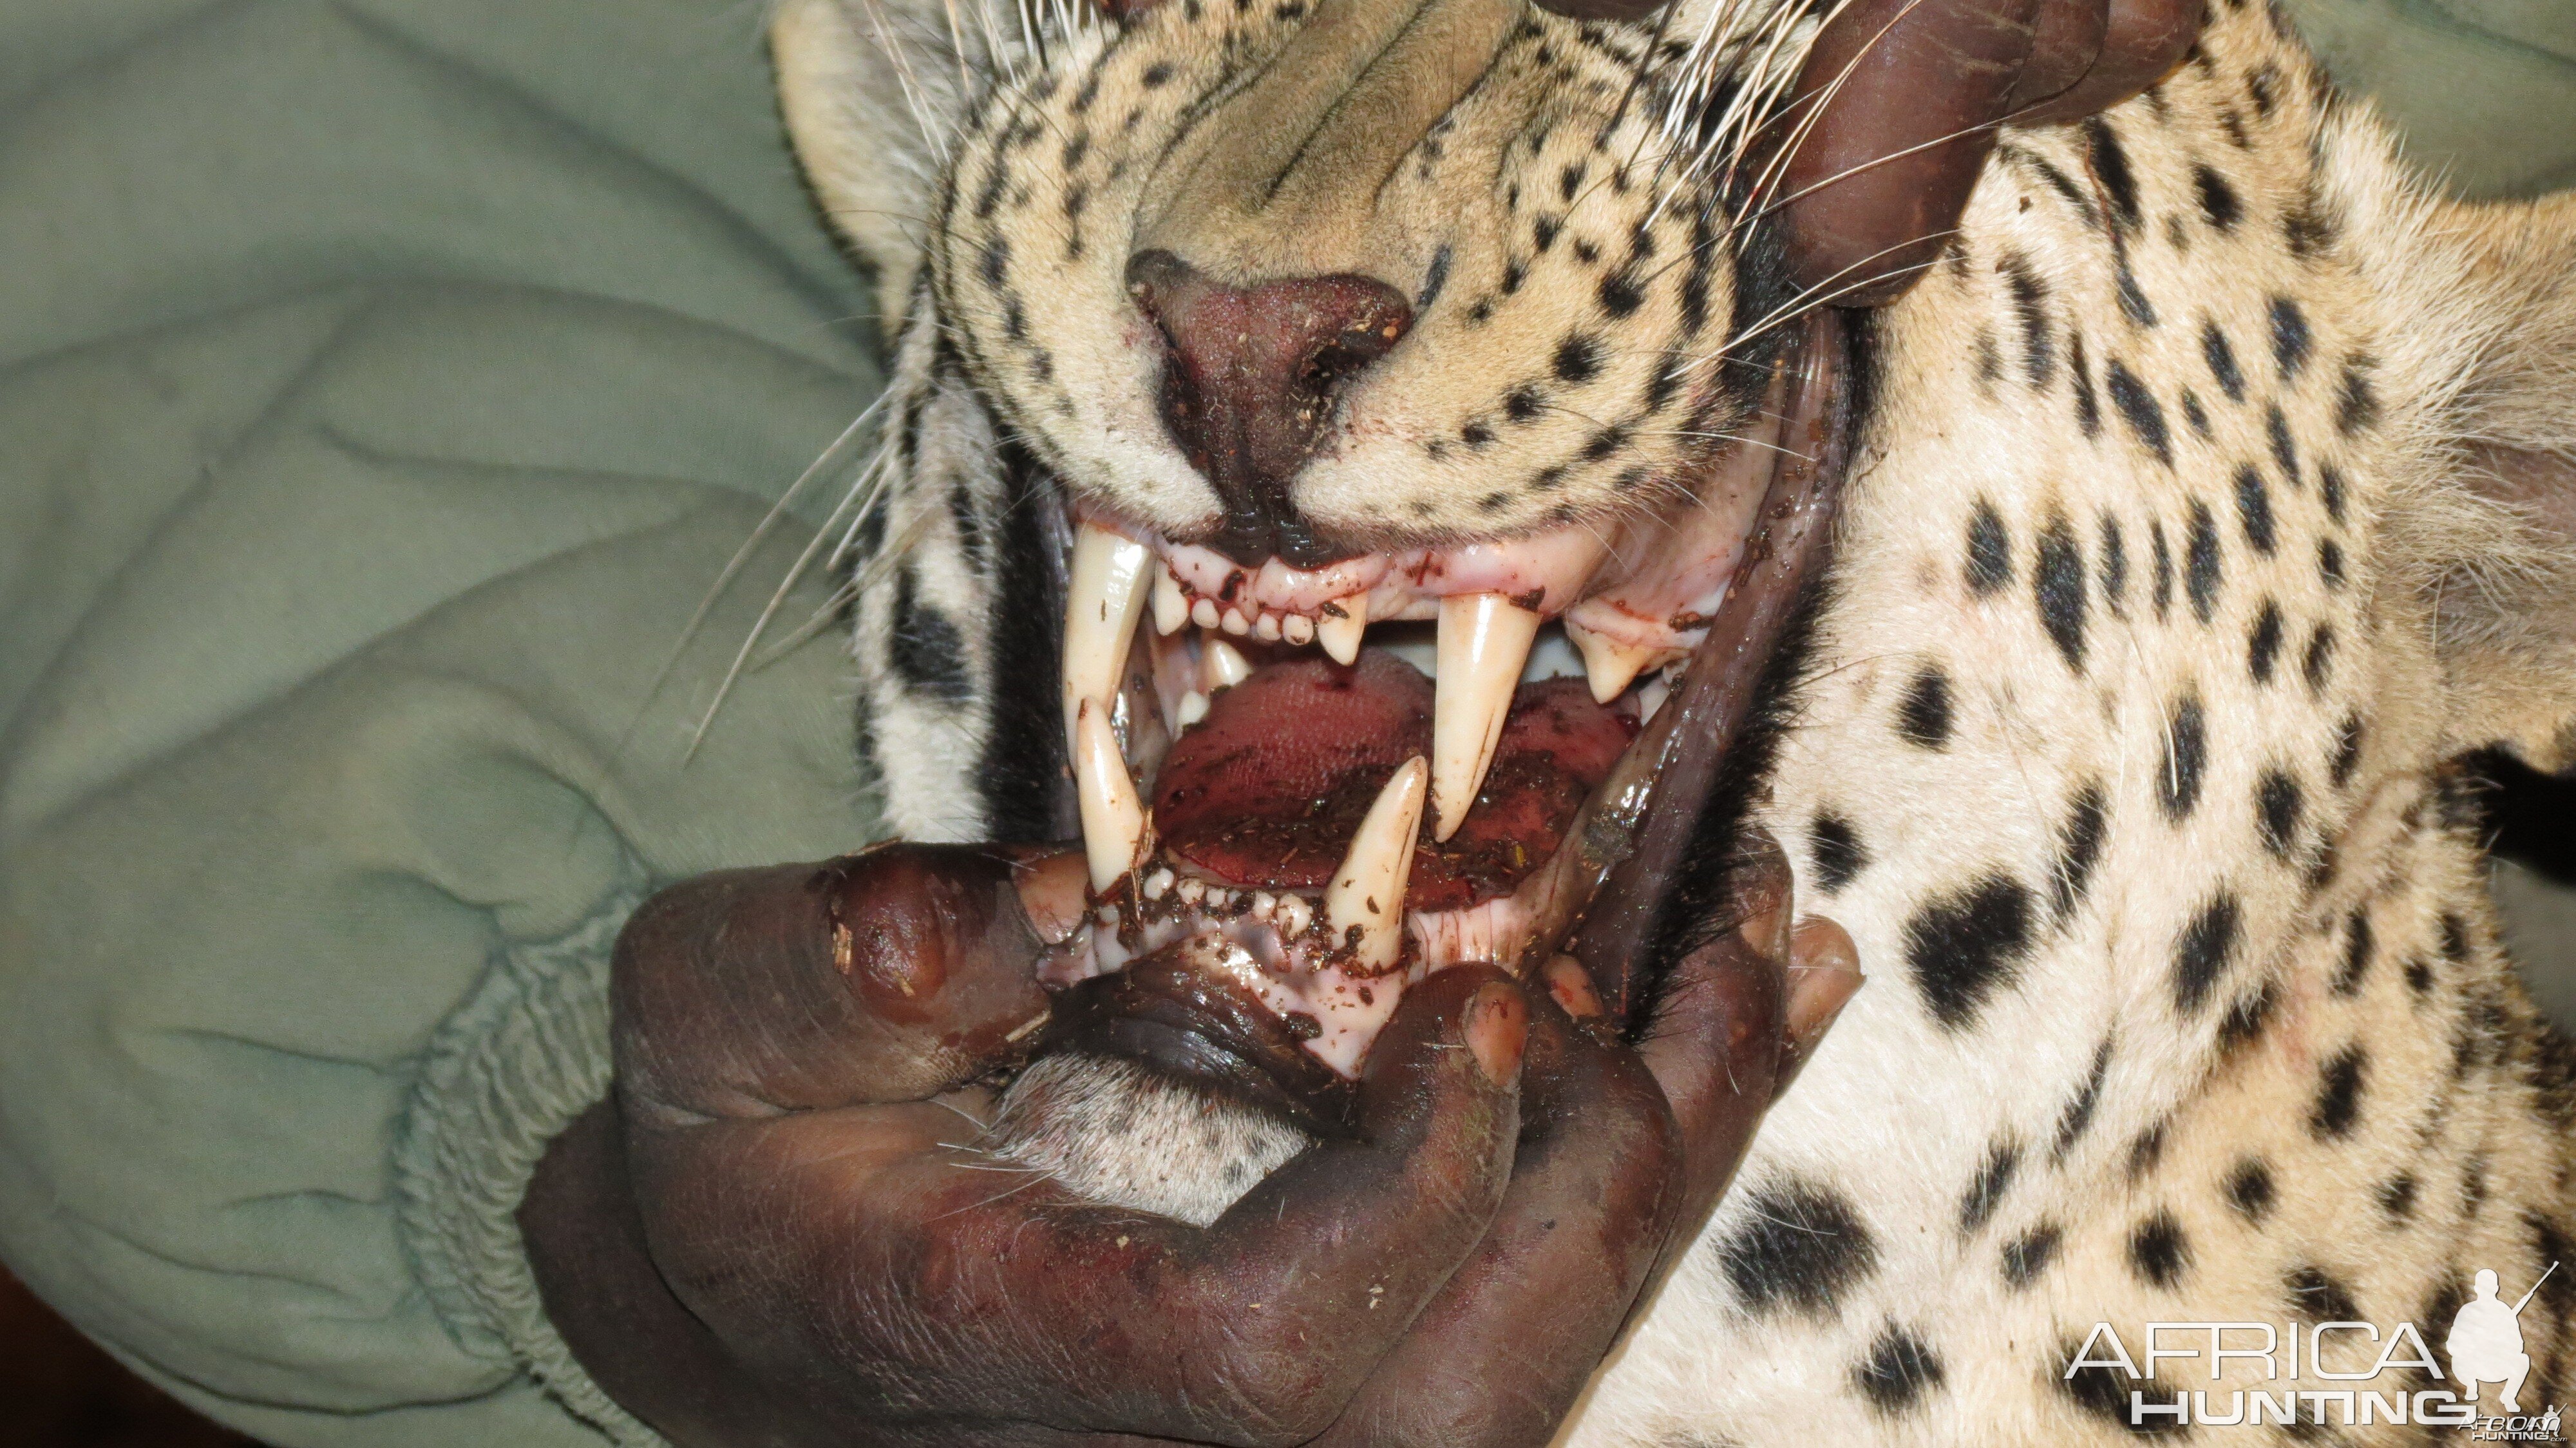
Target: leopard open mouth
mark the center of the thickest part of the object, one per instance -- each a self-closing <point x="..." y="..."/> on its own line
<point x="1278" y="809"/>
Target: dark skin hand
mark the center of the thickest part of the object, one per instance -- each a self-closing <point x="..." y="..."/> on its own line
<point x="775" y="1233"/>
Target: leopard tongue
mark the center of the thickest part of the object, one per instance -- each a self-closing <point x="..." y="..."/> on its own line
<point x="1268" y="791"/>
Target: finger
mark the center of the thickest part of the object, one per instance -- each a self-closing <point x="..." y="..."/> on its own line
<point x="1896" y="109"/>
<point x="938" y="1277"/>
<point x="1591" y="1195"/>
<point x="886" y="976"/>
<point x="1714" y="1043"/>
<point x="1824" y="974"/>
<point x="2142" y="42"/>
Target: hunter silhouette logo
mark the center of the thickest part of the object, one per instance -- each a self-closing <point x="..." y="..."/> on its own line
<point x="2485" y="1342"/>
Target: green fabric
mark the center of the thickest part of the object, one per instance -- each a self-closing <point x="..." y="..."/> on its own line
<point x="382" y="384"/>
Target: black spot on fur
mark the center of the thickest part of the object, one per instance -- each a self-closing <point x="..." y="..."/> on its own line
<point x="2088" y="407"/>
<point x="2159" y="1250"/>
<point x="2330" y="490"/>
<point x="2339" y="1089"/>
<point x="924" y="646"/>
<point x="2291" y="339"/>
<point x="2194" y="413"/>
<point x="2201" y="562"/>
<point x="2356" y="404"/>
<point x="2455" y="939"/>
<point x="2254" y="510"/>
<point x="1924" y="716"/>
<point x="2397" y="1196"/>
<point x="2347" y="753"/>
<point x="1477" y="435"/>
<point x="2029" y="1254"/>
<point x="1619" y="293"/>
<point x="2133" y="298"/>
<point x="2318" y="666"/>
<point x="1800" y="1246"/>
<point x="2419" y="975"/>
<point x="2263" y="643"/>
<point x="2186" y="757"/>
<point x="1963" y="947"/>
<point x="1435" y="279"/>
<point x="2250" y="1190"/>
<point x="2360" y="944"/>
<point x="2079" y="849"/>
<point x="2277" y="803"/>
<point x="2319" y="1296"/>
<point x="1522" y="404"/>
<point x="2147" y="1151"/>
<point x="2285" y="451"/>
<point x="1578" y="359"/>
<point x="1543" y="232"/>
<point x="2162" y="556"/>
<point x="2114" y="566"/>
<point x="2058" y="579"/>
<point x="1989" y="550"/>
<point x="1899" y="1370"/>
<point x="2222" y="361"/>
<point x="2110" y="164"/>
<point x="2139" y="408"/>
<point x="1987" y="1191"/>
<point x="2102" y="1392"/>
<point x="1835" y="848"/>
<point x="2330" y="563"/>
<point x="2078" y="1115"/>
<point x="2246" y="1018"/>
<point x="2219" y="205"/>
<point x="2204" y="950"/>
<point x="2030" y="297"/>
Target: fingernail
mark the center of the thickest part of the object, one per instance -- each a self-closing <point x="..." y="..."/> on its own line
<point x="1824" y="974"/>
<point x="1051" y="889"/>
<point x="1497" y="1028"/>
<point x="1570" y="985"/>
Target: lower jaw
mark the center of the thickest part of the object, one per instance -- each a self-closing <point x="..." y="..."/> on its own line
<point x="1248" y="993"/>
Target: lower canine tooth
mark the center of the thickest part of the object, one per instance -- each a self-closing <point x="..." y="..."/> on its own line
<point x="1113" y="820"/>
<point x="1364" y="906"/>
<point x="1106" y="598"/>
<point x="1484" y="642"/>
<point x="1611" y="666"/>
<point x="1194" y="707"/>
<point x="1171" y="606"/>
<point x="1339" y="630"/>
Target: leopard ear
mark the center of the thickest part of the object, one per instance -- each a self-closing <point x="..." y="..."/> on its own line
<point x="2505" y="606"/>
<point x="872" y="91"/>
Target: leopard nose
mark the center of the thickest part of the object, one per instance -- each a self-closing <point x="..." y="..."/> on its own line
<point x="1249" y="382"/>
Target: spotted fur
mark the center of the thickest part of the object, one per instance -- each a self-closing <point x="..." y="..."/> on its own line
<point x="2213" y="499"/>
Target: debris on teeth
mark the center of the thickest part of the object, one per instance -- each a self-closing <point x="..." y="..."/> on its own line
<point x="1194" y="707"/>
<point x="1263" y="902"/>
<point x="1158" y="884"/>
<point x="1364" y="906"/>
<point x="1484" y="642"/>
<point x="1171" y="606"/>
<point x="1191" y="891"/>
<point x="1294" y="915"/>
<point x="1223" y="665"/>
<point x="1610" y="665"/>
<point x="1344" y="620"/>
<point x="1113" y="821"/>
<point x="1108" y="589"/>
<point x="1298" y="628"/>
<point x="1203" y="613"/>
<point x="1266" y="628"/>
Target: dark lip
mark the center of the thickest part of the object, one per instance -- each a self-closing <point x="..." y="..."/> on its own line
<point x="1625" y="851"/>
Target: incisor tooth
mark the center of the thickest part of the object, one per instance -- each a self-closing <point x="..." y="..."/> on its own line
<point x="1233" y="622"/>
<point x="1339" y="630"/>
<point x="1484" y="642"/>
<point x="1223" y="665"/>
<point x="1266" y="628"/>
<point x="1203" y="613"/>
<point x="1364" y="906"/>
<point x="1113" y="820"/>
<point x="1610" y="665"/>
<point x="1107" y="597"/>
<point x="1297" y="629"/>
<point x="1171" y="606"/>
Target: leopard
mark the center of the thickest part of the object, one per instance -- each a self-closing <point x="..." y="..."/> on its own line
<point x="2211" y="502"/>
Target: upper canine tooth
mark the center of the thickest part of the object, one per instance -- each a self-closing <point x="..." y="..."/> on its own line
<point x="1610" y="665"/>
<point x="1222" y="665"/>
<point x="1114" y="826"/>
<point x="1484" y="643"/>
<point x="1171" y="606"/>
<point x="1364" y="906"/>
<point x="1339" y="630"/>
<point x="1107" y="597"/>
